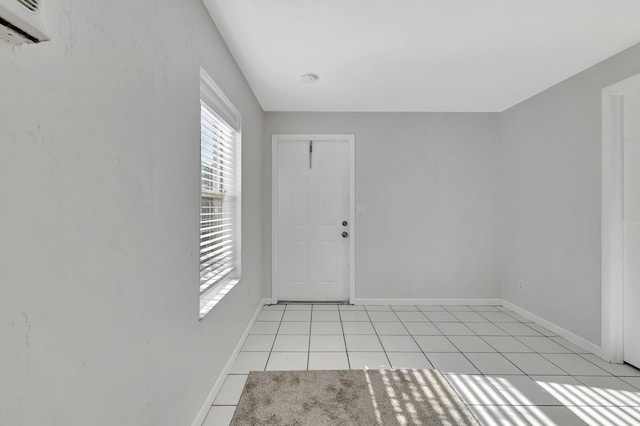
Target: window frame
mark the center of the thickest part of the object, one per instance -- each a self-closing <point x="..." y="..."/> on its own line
<point x="213" y="97"/>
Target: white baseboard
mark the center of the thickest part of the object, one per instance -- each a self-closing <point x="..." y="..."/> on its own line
<point x="453" y="301"/>
<point x="563" y="332"/>
<point x="223" y="374"/>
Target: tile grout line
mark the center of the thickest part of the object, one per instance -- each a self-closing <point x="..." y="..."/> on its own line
<point x="344" y="338"/>
<point x="378" y="336"/>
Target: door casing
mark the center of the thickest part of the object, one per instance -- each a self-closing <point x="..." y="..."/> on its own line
<point x="304" y="138"/>
<point x="612" y="342"/>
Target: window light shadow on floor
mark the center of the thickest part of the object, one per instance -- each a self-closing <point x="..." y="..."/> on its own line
<point x="593" y="403"/>
<point x="410" y="391"/>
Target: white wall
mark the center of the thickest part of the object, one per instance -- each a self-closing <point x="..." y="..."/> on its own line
<point x="551" y="199"/>
<point x="99" y="190"/>
<point x="430" y="185"/>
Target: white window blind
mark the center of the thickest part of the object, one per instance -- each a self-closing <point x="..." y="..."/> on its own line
<point x="218" y="199"/>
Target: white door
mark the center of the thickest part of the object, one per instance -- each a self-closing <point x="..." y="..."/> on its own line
<point x="631" y="223"/>
<point x="312" y="219"/>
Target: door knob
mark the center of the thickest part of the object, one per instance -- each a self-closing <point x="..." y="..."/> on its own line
<point x="345" y="234"/>
<point x="345" y="223"/>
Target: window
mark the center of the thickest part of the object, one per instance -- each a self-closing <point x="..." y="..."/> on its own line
<point x="219" y="195"/>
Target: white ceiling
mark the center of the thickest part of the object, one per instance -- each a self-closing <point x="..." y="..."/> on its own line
<point x="418" y="55"/>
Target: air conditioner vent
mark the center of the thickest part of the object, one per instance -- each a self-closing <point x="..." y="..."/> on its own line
<point x="23" y="21"/>
<point x="32" y="5"/>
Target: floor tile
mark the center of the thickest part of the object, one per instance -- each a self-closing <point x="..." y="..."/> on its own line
<point x="350" y="327"/>
<point x="294" y="327"/>
<point x="469" y="317"/>
<point x="377" y="308"/>
<point x="506" y="344"/>
<point x="542" y="330"/>
<point x="522" y="390"/>
<point x="422" y="329"/>
<point x="404" y="308"/>
<point x="633" y="381"/>
<point x="296" y="316"/>
<point x="500" y="415"/>
<point x="273" y="307"/>
<point x="327" y="343"/>
<point x="454" y="329"/>
<point x="383" y="316"/>
<point x="319" y="327"/>
<point x="575" y="365"/>
<point x="270" y="316"/>
<point x="390" y="328"/>
<point x="549" y="416"/>
<point x="567" y="344"/>
<point x="485" y="329"/>
<point x="606" y="416"/>
<point x="413" y="360"/>
<point x="458" y="308"/>
<point x="435" y="344"/>
<point x="633" y="411"/>
<point x="284" y="361"/>
<point x="471" y="344"/>
<point x="399" y="344"/>
<point x="412" y="317"/>
<point x="484" y="308"/>
<point x="492" y="363"/>
<point x="350" y="308"/>
<point x="533" y="364"/>
<point x="258" y="343"/>
<point x="453" y="363"/>
<point x="363" y="343"/>
<point x="475" y="390"/>
<point x="325" y="316"/>
<point x="615" y="369"/>
<point x="569" y="391"/>
<point x="298" y="307"/>
<point x="614" y="390"/>
<point x="517" y="329"/>
<point x="249" y="361"/>
<point x="219" y="416"/>
<point x="498" y="317"/>
<point x="328" y="361"/>
<point x="291" y="343"/>
<point x="354" y="316"/>
<point x="440" y="317"/>
<point x="231" y="390"/>
<point x="543" y="344"/>
<point x="368" y="360"/>
<point x="325" y="307"/>
<point x="430" y="308"/>
<point x="264" y="327"/>
<point x="519" y="317"/>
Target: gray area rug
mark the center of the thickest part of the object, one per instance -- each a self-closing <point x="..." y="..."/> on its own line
<point x="350" y="397"/>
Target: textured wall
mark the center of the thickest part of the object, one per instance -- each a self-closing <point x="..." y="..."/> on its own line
<point x="551" y="198"/>
<point x="99" y="190"/>
<point x="430" y="185"/>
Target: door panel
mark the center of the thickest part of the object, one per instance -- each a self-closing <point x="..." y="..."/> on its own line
<point x="313" y="201"/>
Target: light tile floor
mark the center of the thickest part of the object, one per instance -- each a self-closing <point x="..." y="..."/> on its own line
<point x="508" y="370"/>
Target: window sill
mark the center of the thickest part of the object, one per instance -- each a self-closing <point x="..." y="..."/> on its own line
<point x="211" y="298"/>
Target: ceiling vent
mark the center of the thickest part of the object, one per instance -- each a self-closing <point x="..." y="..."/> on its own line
<point x="22" y="21"/>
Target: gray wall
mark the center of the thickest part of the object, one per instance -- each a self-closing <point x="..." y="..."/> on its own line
<point x="430" y="185"/>
<point x="551" y="198"/>
<point x="99" y="190"/>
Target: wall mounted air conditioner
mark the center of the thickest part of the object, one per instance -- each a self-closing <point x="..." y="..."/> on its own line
<point x="22" y="21"/>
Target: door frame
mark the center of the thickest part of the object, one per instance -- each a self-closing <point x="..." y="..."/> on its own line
<point x="275" y="139"/>
<point x="612" y="341"/>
